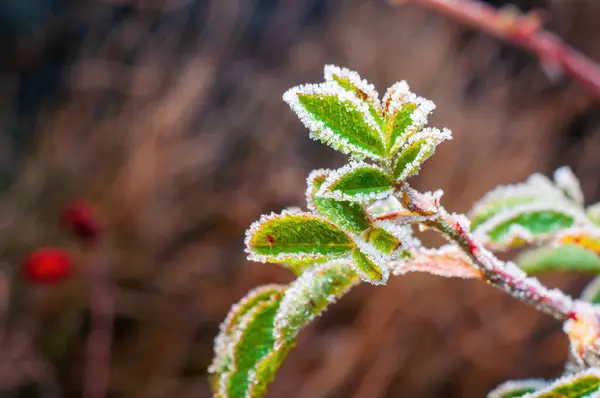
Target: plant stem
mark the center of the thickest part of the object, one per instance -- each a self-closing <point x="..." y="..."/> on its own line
<point x="99" y="344"/>
<point x="504" y="276"/>
<point x="523" y="31"/>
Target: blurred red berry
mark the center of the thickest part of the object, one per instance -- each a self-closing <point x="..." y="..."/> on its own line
<point x="80" y="217"/>
<point x="47" y="265"/>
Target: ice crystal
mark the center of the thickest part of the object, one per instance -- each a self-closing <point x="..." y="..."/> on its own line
<point x="370" y="191"/>
<point x="319" y="129"/>
<point x="569" y="184"/>
<point x="515" y="386"/>
<point x="332" y="71"/>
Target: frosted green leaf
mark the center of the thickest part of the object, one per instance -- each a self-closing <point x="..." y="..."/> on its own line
<point x="383" y="241"/>
<point x="349" y="216"/>
<point x="362" y="89"/>
<point x="418" y="148"/>
<point x="517" y="388"/>
<point x="310" y="294"/>
<point x="222" y="361"/>
<point x="560" y="258"/>
<point x="253" y="343"/>
<point x="295" y="238"/>
<point x="537" y="190"/>
<point x="370" y="267"/>
<point x="405" y="114"/>
<point x="579" y="385"/>
<point x="338" y="118"/>
<point x="356" y="182"/>
<point x="523" y="224"/>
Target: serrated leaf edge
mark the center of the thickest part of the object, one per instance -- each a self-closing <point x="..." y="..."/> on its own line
<point x="282" y="257"/>
<point x="317" y="128"/>
<point x="566" y="380"/>
<point x="334" y="176"/>
<point x="376" y="257"/>
<point x="519" y="232"/>
<point x="363" y="85"/>
<point x="515" y="385"/>
<point x="432" y="137"/>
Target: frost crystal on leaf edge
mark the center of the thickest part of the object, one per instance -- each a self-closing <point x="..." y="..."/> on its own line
<point x="318" y="129"/>
<point x="362" y="84"/>
<point x="335" y="175"/>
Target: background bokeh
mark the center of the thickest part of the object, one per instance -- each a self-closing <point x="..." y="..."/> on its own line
<point x="167" y="115"/>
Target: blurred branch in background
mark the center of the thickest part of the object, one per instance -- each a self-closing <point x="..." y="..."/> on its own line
<point x="523" y="30"/>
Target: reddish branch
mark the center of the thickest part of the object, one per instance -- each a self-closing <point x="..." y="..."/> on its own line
<point x="523" y="31"/>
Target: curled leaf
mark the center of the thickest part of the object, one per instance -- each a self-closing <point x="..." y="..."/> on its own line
<point x="309" y="295"/>
<point x="356" y="182"/>
<point x="295" y="238"/>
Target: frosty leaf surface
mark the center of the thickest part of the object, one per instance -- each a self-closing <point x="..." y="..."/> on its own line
<point x="587" y="237"/>
<point x="349" y="216"/>
<point x="232" y="330"/>
<point x="568" y="183"/>
<point x="593" y="213"/>
<point x="338" y="118"/>
<point x="405" y="113"/>
<point x="362" y="89"/>
<point x="254" y="344"/>
<point x="418" y="148"/>
<point x="310" y="294"/>
<point x="369" y="269"/>
<point x="580" y="385"/>
<point x="357" y="182"/>
<point x="517" y="388"/>
<point x="295" y="237"/>
<point x="559" y="258"/>
<point x="383" y="241"/>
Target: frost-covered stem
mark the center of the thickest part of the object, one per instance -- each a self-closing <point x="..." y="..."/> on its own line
<point x="504" y="276"/>
<point x="523" y="31"/>
<point x="99" y="343"/>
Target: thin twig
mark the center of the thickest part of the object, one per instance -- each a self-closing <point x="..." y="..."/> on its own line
<point x="99" y="344"/>
<point x="504" y="276"/>
<point x="523" y="31"/>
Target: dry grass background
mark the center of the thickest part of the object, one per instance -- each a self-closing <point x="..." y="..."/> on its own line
<point x="171" y="122"/>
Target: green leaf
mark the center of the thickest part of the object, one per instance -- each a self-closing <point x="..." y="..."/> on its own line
<point x="253" y="344"/>
<point x="383" y="241"/>
<point x="559" y="258"/>
<point x="370" y="268"/>
<point x="295" y="238"/>
<point x="349" y="216"/>
<point x="337" y="118"/>
<point x="405" y="114"/>
<point x="517" y="228"/>
<point x="356" y="182"/>
<point x="417" y="150"/>
<point x="579" y="385"/>
<point x="310" y="294"/>
<point x="228" y="334"/>
<point x="517" y="388"/>
<point x="352" y="82"/>
<point x="537" y="190"/>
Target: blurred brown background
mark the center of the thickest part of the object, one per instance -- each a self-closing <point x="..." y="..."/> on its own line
<point x="167" y="115"/>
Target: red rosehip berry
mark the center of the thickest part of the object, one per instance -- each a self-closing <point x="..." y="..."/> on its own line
<point x="79" y="216"/>
<point x="47" y="265"/>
